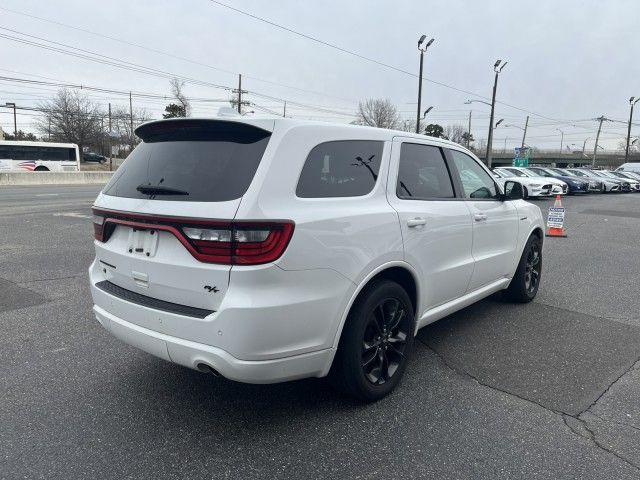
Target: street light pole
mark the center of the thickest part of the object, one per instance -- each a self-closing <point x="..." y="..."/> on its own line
<point x="497" y="67"/>
<point x="469" y="130"/>
<point x="15" y="123"/>
<point x="422" y="51"/>
<point x="632" y="102"/>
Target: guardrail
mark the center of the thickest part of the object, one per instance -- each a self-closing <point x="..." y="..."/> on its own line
<point x="54" y="178"/>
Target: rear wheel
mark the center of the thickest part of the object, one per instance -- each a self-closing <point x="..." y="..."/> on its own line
<point x="524" y="284"/>
<point x="376" y="342"/>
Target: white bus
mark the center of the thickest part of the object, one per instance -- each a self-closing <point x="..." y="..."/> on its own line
<point x="38" y="157"/>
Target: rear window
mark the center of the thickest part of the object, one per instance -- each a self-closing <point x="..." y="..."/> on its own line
<point x="345" y="168"/>
<point x="212" y="161"/>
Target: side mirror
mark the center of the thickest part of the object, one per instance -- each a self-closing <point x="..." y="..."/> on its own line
<point x="512" y="190"/>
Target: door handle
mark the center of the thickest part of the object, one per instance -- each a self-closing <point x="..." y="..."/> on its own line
<point x="416" y="222"/>
<point x="479" y="217"/>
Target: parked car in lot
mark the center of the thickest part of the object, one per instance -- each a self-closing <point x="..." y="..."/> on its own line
<point x="629" y="167"/>
<point x="608" y="184"/>
<point x="558" y="187"/>
<point x="266" y="250"/>
<point x="624" y="185"/>
<point x="634" y="183"/>
<point x="93" y="157"/>
<point x="595" y="184"/>
<point x="576" y="185"/>
<point x="530" y="186"/>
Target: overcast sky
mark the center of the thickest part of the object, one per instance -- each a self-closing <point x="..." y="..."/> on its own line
<point x="569" y="61"/>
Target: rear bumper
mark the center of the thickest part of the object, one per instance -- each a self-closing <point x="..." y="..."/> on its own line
<point x="272" y="325"/>
<point x="192" y="354"/>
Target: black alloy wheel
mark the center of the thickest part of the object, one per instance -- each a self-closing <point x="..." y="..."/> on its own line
<point x="376" y="342"/>
<point x="532" y="268"/>
<point x="526" y="281"/>
<point x="384" y="342"/>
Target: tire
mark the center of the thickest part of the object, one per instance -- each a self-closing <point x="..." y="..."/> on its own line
<point x="525" y="193"/>
<point x="372" y="357"/>
<point x="524" y="284"/>
<point x="41" y="169"/>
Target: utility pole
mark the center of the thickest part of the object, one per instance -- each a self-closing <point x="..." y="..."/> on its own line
<point x="284" y="110"/>
<point x="504" y="150"/>
<point x="497" y="67"/>
<point x="595" y="147"/>
<point x="632" y="102"/>
<point x="524" y="135"/>
<point x="561" y="139"/>
<point x="422" y="47"/>
<point x="469" y="130"/>
<point x="15" y="123"/>
<point x="240" y="93"/>
<point x="110" y="147"/>
<point x="49" y="130"/>
<point x="131" y="118"/>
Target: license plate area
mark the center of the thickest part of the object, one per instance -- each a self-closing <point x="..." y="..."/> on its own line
<point x="143" y="242"/>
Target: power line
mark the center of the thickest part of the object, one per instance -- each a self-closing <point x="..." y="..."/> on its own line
<point x="96" y="57"/>
<point x="168" y="54"/>
<point x="370" y="59"/>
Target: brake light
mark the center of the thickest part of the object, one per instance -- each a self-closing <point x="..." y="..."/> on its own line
<point x="209" y="241"/>
<point x="241" y="244"/>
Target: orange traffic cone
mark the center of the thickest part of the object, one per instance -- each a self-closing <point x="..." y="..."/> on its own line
<point x="556" y="220"/>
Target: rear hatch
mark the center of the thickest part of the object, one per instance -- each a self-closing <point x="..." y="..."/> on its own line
<point x="163" y="223"/>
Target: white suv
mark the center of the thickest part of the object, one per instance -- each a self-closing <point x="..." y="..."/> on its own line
<point x="267" y="250"/>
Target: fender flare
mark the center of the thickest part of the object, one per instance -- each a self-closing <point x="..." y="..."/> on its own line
<point x="354" y="296"/>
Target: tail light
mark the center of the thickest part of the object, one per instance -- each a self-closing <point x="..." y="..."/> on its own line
<point x="229" y="243"/>
<point x="241" y="243"/>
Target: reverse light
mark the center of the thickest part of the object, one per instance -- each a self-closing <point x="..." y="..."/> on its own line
<point x="98" y="227"/>
<point x="207" y="234"/>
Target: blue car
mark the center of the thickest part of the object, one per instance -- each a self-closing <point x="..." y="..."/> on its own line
<point x="576" y="185"/>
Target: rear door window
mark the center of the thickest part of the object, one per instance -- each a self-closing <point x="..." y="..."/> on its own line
<point x="422" y="173"/>
<point x="212" y="161"/>
<point x="346" y="168"/>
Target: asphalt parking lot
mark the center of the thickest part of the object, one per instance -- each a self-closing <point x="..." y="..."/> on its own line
<point x="544" y="390"/>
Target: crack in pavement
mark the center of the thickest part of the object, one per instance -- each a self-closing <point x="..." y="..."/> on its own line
<point x="591" y="436"/>
<point x="593" y="404"/>
<point x="77" y="275"/>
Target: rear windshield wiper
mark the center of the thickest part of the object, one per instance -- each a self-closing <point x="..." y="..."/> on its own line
<point x="159" y="190"/>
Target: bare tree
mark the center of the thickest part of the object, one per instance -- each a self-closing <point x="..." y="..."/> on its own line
<point x="121" y="124"/>
<point x="177" y="90"/>
<point x="456" y="133"/>
<point x="378" y="112"/>
<point x="407" y="126"/>
<point x="71" y="117"/>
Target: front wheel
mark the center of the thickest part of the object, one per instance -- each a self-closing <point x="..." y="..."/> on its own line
<point x="525" y="193"/>
<point x="376" y="342"/>
<point x="524" y="284"/>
